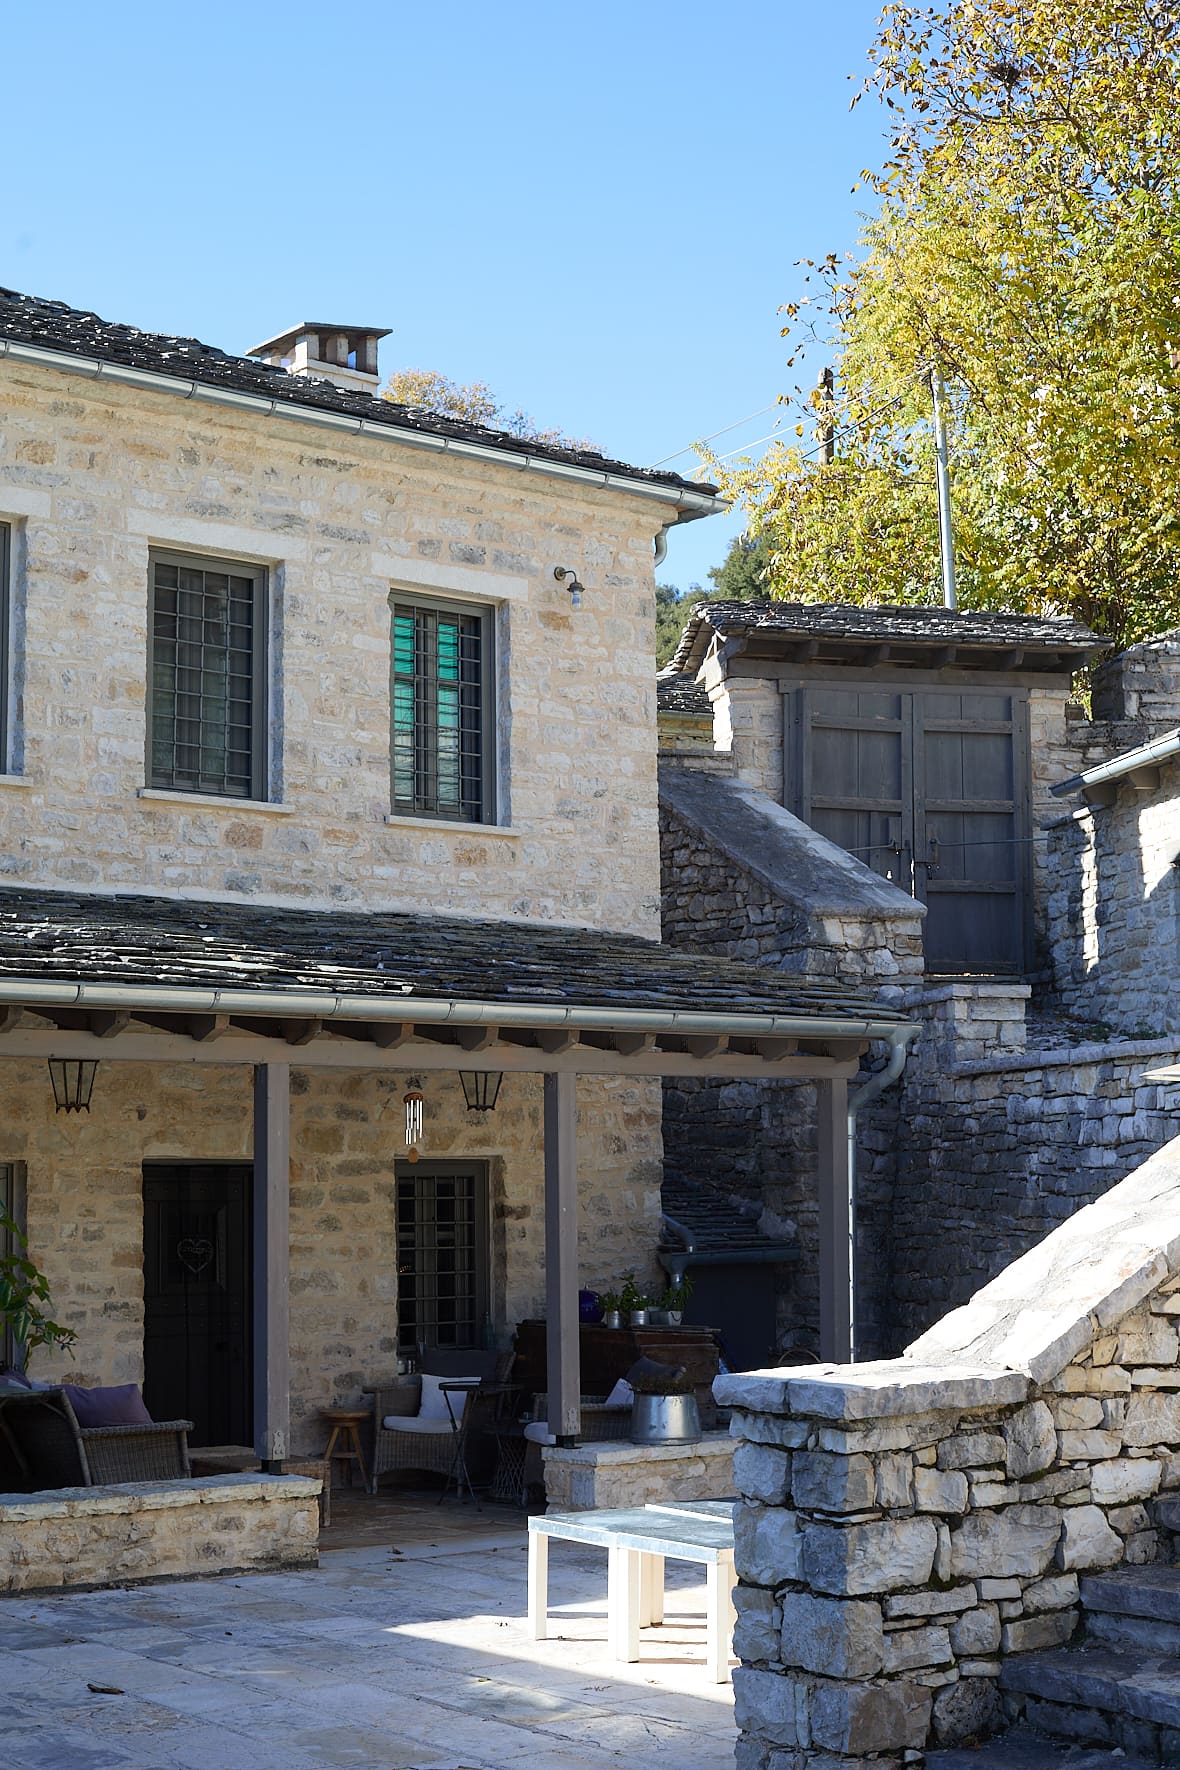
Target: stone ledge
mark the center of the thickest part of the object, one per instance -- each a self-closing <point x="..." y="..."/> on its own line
<point x="612" y="1451"/>
<point x="1063" y="1056"/>
<point x="152" y="1496"/>
<point x="880" y="1391"/>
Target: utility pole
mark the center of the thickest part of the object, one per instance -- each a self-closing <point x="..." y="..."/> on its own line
<point x="827" y="430"/>
<point x="945" y="532"/>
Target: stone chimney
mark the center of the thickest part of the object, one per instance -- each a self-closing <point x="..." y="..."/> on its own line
<point x="346" y="355"/>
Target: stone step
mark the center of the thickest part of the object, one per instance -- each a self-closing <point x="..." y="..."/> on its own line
<point x="1024" y="1749"/>
<point x="1152" y="1591"/>
<point x="1101" y="1696"/>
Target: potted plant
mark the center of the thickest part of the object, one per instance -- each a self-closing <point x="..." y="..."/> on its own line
<point x="611" y="1304"/>
<point x="634" y="1302"/>
<point x="673" y="1299"/>
<point x="24" y="1297"/>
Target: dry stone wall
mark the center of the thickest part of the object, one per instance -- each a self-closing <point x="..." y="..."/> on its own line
<point x="905" y="1526"/>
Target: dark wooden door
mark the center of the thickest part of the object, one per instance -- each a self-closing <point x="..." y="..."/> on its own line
<point x="929" y="787"/>
<point x="196" y="1281"/>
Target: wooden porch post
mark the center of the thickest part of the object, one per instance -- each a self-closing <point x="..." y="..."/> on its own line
<point x="561" y="1257"/>
<point x="272" y="1256"/>
<point x="835" y="1228"/>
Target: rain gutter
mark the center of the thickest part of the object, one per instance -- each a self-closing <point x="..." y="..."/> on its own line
<point x="690" y="504"/>
<point x="406" y="1007"/>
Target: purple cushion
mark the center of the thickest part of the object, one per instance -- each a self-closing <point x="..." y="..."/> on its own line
<point x="120" y="1406"/>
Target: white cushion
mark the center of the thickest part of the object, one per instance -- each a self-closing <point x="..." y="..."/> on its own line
<point x="433" y="1405"/>
<point x="408" y="1423"/>
<point x="622" y="1395"/>
<point x="537" y="1432"/>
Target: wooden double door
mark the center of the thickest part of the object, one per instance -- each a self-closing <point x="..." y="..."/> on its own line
<point x="931" y="787"/>
<point x="198" y="1359"/>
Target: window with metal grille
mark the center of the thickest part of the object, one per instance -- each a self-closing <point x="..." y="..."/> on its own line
<point x="207" y="719"/>
<point x="12" y="1199"/>
<point x="442" y="1255"/>
<point x="442" y="760"/>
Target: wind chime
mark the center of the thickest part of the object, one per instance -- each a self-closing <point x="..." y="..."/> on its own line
<point x="413" y="1098"/>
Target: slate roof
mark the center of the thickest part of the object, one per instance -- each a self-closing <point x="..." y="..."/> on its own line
<point x="52" y="936"/>
<point x="718" y="1223"/>
<point x="679" y="694"/>
<point x="898" y="625"/>
<point x="52" y="325"/>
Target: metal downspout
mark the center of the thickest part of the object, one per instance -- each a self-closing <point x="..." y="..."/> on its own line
<point x="876" y="1084"/>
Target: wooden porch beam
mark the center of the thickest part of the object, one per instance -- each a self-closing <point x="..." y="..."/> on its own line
<point x="562" y="1346"/>
<point x="204" y="1027"/>
<point x="835" y="1223"/>
<point x="477" y="1038"/>
<point x="302" y="1032"/>
<point x="272" y="1263"/>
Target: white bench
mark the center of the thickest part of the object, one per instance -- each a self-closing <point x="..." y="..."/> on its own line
<point x="638" y="1540"/>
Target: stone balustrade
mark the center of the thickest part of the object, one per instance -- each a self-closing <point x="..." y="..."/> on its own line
<point x="905" y="1525"/>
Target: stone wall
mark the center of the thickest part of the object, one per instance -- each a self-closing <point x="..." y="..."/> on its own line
<point x="85" y="1202"/>
<point x="93" y="474"/>
<point x="904" y="1526"/>
<point x="1114" y="908"/>
<point x="744" y="878"/>
<point x="995" y="1144"/>
<point x="82" y="1537"/>
<point x="591" y="1476"/>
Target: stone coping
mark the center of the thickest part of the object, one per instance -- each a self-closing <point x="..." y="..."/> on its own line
<point x="153" y="1496"/>
<point x="880" y="1391"/>
<point x="1021" y="1329"/>
<point x="1064" y="1056"/>
<point x="621" y="1451"/>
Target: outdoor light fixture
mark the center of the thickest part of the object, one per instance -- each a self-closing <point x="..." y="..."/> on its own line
<point x="73" y="1083"/>
<point x="481" y="1088"/>
<point x="575" y="588"/>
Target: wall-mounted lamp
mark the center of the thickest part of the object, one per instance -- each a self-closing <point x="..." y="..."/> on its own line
<point x="73" y="1083"/>
<point x="481" y="1088"/>
<point x="575" y="588"/>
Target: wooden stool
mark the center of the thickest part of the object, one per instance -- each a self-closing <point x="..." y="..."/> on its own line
<point x="345" y="1423"/>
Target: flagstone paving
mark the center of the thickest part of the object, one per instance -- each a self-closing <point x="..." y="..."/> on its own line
<point x="411" y="1660"/>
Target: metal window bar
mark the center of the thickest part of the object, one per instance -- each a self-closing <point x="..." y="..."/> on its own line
<point x="442" y="1258"/>
<point x="440" y="750"/>
<point x="13" y="1199"/>
<point x="208" y="715"/>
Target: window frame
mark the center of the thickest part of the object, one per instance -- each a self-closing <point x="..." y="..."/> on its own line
<point x="481" y="1299"/>
<point x="14" y="1198"/>
<point x="259" y="788"/>
<point x="6" y="736"/>
<point x="485" y="613"/>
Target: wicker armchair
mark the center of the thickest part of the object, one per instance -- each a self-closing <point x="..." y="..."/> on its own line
<point x="44" y="1437"/>
<point x="431" y="1449"/>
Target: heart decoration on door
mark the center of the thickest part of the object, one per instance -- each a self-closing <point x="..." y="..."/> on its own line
<point x="195" y="1253"/>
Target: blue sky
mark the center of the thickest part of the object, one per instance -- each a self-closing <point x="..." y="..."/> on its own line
<point x="596" y="210"/>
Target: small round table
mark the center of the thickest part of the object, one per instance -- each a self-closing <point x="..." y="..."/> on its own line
<point x="346" y="1423"/>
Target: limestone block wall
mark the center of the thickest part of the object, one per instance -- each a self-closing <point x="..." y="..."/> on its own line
<point x="1114" y="909"/>
<point x="747" y="726"/>
<point x="906" y="1525"/>
<point x="93" y="475"/>
<point x="82" y="1537"/>
<point x="85" y="1202"/>
<point x="996" y="1144"/>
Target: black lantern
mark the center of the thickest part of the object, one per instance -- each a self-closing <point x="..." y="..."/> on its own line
<point x="481" y="1088"/>
<point x="73" y="1083"/>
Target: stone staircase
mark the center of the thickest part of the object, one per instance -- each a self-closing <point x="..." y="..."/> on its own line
<point x="1112" y="1700"/>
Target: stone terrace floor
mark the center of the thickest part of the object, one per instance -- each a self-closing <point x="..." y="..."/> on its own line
<point x="406" y="1650"/>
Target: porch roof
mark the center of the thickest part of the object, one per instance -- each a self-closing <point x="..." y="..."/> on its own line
<point x="106" y="965"/>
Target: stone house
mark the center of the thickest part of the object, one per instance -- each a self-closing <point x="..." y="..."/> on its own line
<point x="876" y="795"/>
<point x="320" y="789"/>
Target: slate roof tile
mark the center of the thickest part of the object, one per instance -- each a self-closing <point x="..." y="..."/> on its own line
<point x="164" y="941"/>
<point x="52" y="325"/>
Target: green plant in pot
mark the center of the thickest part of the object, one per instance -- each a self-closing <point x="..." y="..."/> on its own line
<point x="611" y="1304"/>
<point x="674" y="1298"/>
<point x="24" y="1297"/>
<point x="634" y="1302"/>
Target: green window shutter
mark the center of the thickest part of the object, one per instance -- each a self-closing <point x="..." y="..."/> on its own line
<point x="440" y="749"/>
